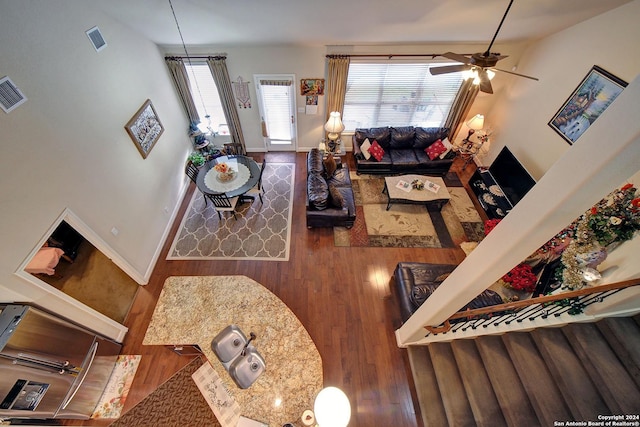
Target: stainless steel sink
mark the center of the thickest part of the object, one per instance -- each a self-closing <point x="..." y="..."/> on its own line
<point x="247" y="367"/>
<point x="244" y="367"/>
<point x="228" y="344"/>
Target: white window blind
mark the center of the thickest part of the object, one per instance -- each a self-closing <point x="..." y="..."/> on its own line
<point x="205" y="96"/>
<point x="398" y="94"/>
<point x="276" y="98"/>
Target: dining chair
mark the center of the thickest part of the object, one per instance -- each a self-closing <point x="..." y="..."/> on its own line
<point x="222" y="203"/>
<point x="192" y="172"/>
<point x="234" y="149"/>
<point x="257" y="189"/>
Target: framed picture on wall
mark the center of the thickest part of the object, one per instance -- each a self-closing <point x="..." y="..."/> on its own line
<point x="590" y="99"/>
<point x="145" y="128"/>
<point x="311" y="87"/>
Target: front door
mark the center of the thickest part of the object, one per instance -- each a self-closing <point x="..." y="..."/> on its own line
<point x="277" y="104"/>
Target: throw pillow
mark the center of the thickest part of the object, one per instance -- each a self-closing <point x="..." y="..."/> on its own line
<point x="376" y="151"/>
<point x="365" y="149"/>
<point x="448" y="146"/>
<point x="329" y="165"/>
<point x="435" y="149"/>
<point x="336" y="197"/>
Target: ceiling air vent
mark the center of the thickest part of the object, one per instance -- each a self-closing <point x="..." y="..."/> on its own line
<point x="10" y="96"/>
<point x="96" y="38"/>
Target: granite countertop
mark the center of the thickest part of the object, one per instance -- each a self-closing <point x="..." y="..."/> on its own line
<point x="194" y="309"/>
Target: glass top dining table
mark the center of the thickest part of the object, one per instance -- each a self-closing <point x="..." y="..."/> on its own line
<point x="246" y="176"/>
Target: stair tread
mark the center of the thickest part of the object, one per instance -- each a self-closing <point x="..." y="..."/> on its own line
<point x="616" y="387"/>
<point x="452" y="390"/>
<point x="484" y="404"/>
<point x="623" y="335"/>
<point x="579" y="391"/>
<point x="510" y="392"/>
<point x="427" y="391"/>
<point x="545" y="397"/>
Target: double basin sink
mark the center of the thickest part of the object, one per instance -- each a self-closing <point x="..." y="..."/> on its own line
<point x="238" y="356"/>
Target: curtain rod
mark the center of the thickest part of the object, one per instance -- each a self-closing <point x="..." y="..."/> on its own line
<point x="218" y="56"/>
<point x="383" y="55"/>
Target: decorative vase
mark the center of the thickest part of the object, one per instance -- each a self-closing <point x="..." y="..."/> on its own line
<point x="226" y="176"/>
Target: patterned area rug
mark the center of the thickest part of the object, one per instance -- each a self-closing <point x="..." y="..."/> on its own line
<point x="177" y="402"/>
<point x="409" y="226"/>
<point x="261" y="232"/>
<point x="117" y="389"/>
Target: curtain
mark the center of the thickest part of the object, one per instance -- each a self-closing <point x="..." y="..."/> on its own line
<point x="460" y="108"/>
<point x="181" y="80"/>
<point x="338" y="71"/>
<point x="218" y="67"/>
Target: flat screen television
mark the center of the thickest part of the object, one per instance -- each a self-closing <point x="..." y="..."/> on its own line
<point x="511" y="176"/>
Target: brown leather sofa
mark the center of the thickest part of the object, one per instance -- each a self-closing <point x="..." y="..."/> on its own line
<point x="404" y="149"/>
<point x="416" y="281"/>
<point x="330" y="200"/>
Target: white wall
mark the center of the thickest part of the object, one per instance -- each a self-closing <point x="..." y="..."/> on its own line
<point x="66" y="147"/>
<point x="561" y="61"/>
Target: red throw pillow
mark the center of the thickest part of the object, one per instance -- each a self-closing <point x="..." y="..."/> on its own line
<point x="376" y="151"/>
<point x="435" y="149"/>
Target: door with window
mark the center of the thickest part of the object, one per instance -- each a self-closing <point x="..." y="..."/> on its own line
<point x="277" y="104"/>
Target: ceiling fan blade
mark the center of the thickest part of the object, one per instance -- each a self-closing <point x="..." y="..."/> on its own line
<point x="516" y="74"/>
<point x="447" y="69"/>
<point x="485" y="83"/>
<point x="457" y="57"/>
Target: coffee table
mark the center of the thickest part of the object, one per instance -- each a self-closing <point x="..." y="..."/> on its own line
<point x="418" y="197"/>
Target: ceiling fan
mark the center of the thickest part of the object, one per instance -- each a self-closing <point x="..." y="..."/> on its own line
<point x="480" y="66"/>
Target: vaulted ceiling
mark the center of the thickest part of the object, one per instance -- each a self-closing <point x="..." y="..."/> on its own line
<point x="336" y="22"/>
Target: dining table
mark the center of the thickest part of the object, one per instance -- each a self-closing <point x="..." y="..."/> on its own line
<point x="246" y="173"/>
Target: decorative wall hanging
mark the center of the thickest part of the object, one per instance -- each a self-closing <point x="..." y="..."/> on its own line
<point x="145" y="128"/>
<point x="592" y="96"/>
<point x="311" y="87"/>
<point x="241" y="91"/>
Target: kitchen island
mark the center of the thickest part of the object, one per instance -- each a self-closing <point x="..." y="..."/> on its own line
<point x="194" y="309"/>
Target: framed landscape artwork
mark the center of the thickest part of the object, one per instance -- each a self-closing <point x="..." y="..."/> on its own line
<point x="145" y="128"/>
<point x="590" y="99"/>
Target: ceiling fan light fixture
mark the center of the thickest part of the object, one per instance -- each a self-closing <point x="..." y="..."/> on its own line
<point x="490" y="74"/>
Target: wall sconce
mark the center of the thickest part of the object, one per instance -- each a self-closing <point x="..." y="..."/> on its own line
<point x="332" y="408"/>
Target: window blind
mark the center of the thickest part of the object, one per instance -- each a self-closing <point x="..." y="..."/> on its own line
<point x="398" y="94"/>
<point x="205" y="94"/>
<point x="276" y="98"/>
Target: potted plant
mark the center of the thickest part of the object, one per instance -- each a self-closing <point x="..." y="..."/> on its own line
<point x="197" y="159"/>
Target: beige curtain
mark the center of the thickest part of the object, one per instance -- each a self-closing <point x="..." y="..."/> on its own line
<point x="218" y="67"/>
<point x="181" y="80"/>
<point x="460" y="108"/>
<point x="338" y="71"/>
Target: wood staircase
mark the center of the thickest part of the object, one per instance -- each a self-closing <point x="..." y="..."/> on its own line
<point x="575" y="372"/>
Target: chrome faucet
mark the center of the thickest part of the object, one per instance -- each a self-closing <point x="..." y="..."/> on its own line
<point x="252" y="337"/>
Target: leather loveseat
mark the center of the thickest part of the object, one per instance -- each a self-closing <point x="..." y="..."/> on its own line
<point x="330" y="199"/>
<point x="404" y="151"/>
<point x="416" y="281"/>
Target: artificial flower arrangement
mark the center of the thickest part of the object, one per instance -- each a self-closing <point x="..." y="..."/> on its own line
<point x="417" y="184"/>
<point x="520" y="278"/>
<point x="222" y="167"/>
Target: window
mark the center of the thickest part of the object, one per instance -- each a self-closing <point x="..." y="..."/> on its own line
<point x="205" y="96"/>
<point x="398" y="94"/>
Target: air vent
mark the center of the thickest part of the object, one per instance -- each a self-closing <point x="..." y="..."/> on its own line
<point x="10" y="96"/>
<point x="96" y="38"/>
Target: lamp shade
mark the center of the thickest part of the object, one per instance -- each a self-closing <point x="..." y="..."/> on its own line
<point x="334" y="125"/>
<point x="476" y="122"/>
<point x="332" y="408"/>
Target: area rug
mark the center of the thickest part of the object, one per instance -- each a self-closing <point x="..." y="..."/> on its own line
<point x="262" y="230"/>
<point x="409" y="226"/>
<point x="115" y="393"/>
<point x="177" y="402"/>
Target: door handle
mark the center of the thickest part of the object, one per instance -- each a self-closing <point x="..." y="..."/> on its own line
<point x="94" y="350"/>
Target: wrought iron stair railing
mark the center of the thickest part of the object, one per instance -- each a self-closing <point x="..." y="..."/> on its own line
<point x="570" y="303"/>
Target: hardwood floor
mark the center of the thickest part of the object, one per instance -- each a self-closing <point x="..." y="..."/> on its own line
<point x="341" y="295"/>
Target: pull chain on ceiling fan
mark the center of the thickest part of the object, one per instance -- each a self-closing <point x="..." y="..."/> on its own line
<point x="480" y="66"/>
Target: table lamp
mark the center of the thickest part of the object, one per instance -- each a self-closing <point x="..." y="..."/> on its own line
<point x="476" y="123"/>
<point x="332" y="408"/>
<point x="333" y="126"/>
